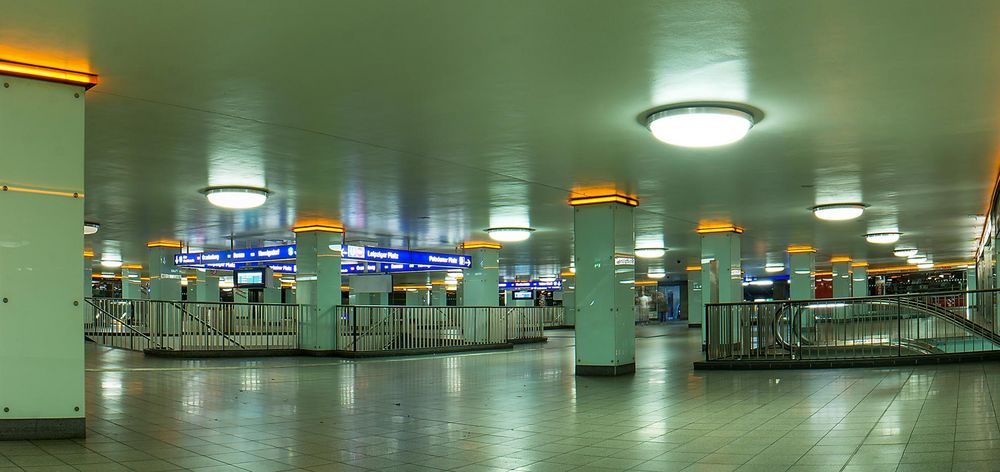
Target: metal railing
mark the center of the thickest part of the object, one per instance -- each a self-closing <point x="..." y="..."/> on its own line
<point x="847" y="328"/>
<point x="553" y="316"/>
<point x="396" y="328"/>
<point x="186" y="326"/>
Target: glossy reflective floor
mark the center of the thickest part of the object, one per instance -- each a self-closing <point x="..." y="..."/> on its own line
<point x="523" y="410"/>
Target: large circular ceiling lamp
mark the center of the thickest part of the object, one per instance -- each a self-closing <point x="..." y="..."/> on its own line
<point x="236" y="198"/>
<point x="904" y="251"/>
<point x="839" y="211"/>
<point x="656" y="273"/>
<point x="650" y="252"/>
<point x="774" y="267"/>
<point x="111" y="263"/>
<point x="90" y="228"/>
<point x="509" y="234"/>
<point x="882" y="238"/>
<point x="700" y="126"/>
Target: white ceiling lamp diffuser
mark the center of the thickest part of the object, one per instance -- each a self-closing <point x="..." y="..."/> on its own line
<point x="656" y="273"/>
<point x="916" y="260"/>
<point x="774" y="267"/>
<point x="509" y="234"/>
<point x="650" y="252"/>
<point x="882" y="238"/>
<point x="925" y="265"/>
<point x="236" y="198"/>
<point x="904" y="251"/>
<point x="90" y="228"/>
<point x="111" y="263"/>
<point x="839" y="211"/>
<point x="700" y="126"/>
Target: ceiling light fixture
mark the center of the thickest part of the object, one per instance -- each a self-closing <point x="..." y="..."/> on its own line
<point x="762" y="282"/>
<point x="925" y="265"/>
<point x="882" y="238"/>
<point x="774" y="268"/>
<point x="650" y="252"/>
<point x="111" y="263"/>
<point x="90" y="228"/>
<point x="236" y="198"/>
<point x="839" y="211"/>
<point x="905" y="251"/>
<point x="700" y="126"/>
<point x="656" y="273"/>
<point x="509" y="234"/>
<point x="916" y="260"/>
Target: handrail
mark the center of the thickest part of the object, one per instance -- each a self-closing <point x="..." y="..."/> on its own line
<point x="858" y="299"/>
<point x="207" y="325"/>
<point x="126" y="325"/>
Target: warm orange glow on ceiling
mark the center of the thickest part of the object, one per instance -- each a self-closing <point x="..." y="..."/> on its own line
<point x="859" y="264"/>
<point x="480" y="245"/>
<point x="88" y="253"/>
<point x="646" y="282"/>
<point x="171" y="244"/>
<point x="840" y="259"/>
<point x="132" y="266"/>
<point x="567" y="273"/>
<point x="719" y="229"/>
<point x="50" y="74"/>
<point x="692" y="268"/>
<point x="800" y="249"/>
<point x="317" y="227"/>
<point x="615" y="198"/>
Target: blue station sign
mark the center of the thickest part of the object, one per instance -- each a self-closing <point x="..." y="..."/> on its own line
<point x="399" y="259"/>
<point x="532" y="285"/>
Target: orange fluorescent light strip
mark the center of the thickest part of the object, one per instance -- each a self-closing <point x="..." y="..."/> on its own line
<point x="859" y="264"/>
<point x="692" y="268"/>
<point x="173" y="244"/>
<point x="800" y="249"/>
<point x="38" y="191"/>
<point x="321" y="228"/>
<point x="480" y="245"/>
<point x="646" y="282"/>
<point x="840" y="259"/>
<point x="88" y="253"/>
<point x="49" y="74"/>
<point x="719" y="229"/>
<point x="567" y="273"/>
<point x="616" y="198"/>
<point x="132" y="266"/>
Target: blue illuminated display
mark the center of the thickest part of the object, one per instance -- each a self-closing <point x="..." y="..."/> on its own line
<point x="408" y="259"/>
<point x="533" y="285"/>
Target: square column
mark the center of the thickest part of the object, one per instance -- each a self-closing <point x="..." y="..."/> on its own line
<point x="416" y="298"/>
<point x="802" y="280"/>
<point x="208" y="286"/>
<point x="481" y="284"/>
<point x="721" y="271"/>
<point x="439" y="295"/>
<point x="318" y="285"/>
<point x="696" y="306"/>
<point x="132" y="283"/>
<point x="88" y="274"/>
<point x="164" y="276"/>
<point x="841" y="277"/>
<point x="41" y="336"/>
<point x="859" y="279"/>
<point x="604" y="247"/>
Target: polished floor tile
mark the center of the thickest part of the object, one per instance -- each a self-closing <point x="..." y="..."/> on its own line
<point x="522" y="410"/>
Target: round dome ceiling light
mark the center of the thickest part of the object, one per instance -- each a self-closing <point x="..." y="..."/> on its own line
<point x="882" y="238"/>
<point x="509" y="234"/>
<point x="700" y="126"/>
<point x="111" y="263"/>
<point x="916" y="260"/>
<point x="774" y="267"/>
<point x="656" y="273"/>
<point x="236" y="198"/>
<point x="925" y="265"/>
<point x="650" y="252"/>
<point x="904" y="251"/>
<point x="90" y="228"/>
<point x="839" y="211"/>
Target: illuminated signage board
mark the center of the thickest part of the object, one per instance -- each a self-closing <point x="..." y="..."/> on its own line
<point x="624" y="260"/>
<point x="411" y="260"/>
<point x="533" y="285"/>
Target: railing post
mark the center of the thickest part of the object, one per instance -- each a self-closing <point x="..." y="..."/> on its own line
<point x="352" y="312"/>
<point x="899" y="329"/>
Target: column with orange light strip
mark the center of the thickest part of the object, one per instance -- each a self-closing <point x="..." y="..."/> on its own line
<point x="164" y="276"/>
<point x="42" y="302"/>
<point x="841" y="268"/>
<point x="317" y="281"/>
<point x="480" y="286"/>
<point x="132" y="282"/>
<point x="721" y="274"/>
<point x="696" y="306"/>
<point x="604" y="251"/>
<point x="859" y="279"/>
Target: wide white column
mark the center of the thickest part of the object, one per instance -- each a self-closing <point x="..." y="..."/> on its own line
<point x="41" y="298"/>
<point x="722" y="273"/>
<point x="318" y="285"/>
<point x="164" y="276"/>
<point x="841" y="277"/>
<point x="859" y="279"/>
<point x="696" y="306"/>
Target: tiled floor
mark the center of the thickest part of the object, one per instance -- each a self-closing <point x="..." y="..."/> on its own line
<point x="523" y="410"/>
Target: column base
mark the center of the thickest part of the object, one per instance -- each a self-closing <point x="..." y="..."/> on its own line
<point x="43" y="428"/>
<point x="605" y="370"/>
<point x="694" y="325"/>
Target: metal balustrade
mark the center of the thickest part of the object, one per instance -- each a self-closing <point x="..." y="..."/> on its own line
<point x="211" y="326"/>
<point x="854" y="328"/>
<point x="395" y="328"/>
<point x="189" y="326"/>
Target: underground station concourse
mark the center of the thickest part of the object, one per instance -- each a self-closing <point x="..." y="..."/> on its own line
<point x="543" y="235"/>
